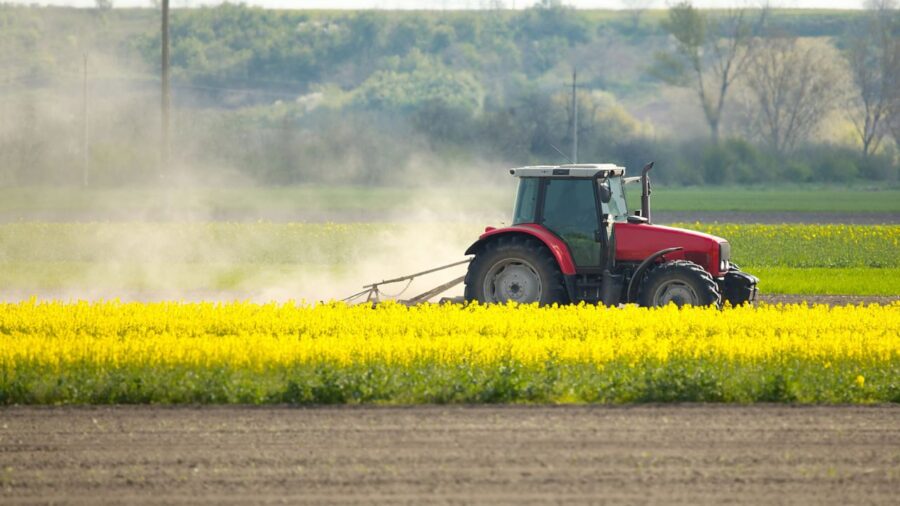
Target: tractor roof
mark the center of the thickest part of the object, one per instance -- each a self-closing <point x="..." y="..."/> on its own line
<point x="581" y="170"/>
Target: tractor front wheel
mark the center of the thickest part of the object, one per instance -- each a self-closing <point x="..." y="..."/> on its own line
<point x="515" y="268"/>
<point x="679" y="282"/>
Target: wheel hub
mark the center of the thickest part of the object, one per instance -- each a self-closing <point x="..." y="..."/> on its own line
<point x="677" y="293"/>
<point x="512" y="279"/>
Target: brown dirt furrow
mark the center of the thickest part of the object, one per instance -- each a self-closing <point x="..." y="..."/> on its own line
<point x="831" y="300"/>
<point x="688" y="454"/>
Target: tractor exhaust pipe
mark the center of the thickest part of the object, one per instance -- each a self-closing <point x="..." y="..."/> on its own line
<point x="645" y="191"/>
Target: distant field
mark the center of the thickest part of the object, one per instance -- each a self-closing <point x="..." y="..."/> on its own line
<point x="125" y="201"/>
<point x="320" y="261"/>
<point x="833" y="200"/>
<point x="339" y="244"/>
<point x="348" y="203"/>
<point x="131" y="280"/>
<point x="827" y="280"/>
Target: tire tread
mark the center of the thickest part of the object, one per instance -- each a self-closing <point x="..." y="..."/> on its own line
<point x="708" y="288"/>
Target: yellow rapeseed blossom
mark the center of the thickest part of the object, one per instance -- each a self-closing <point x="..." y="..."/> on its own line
<point x="809" y="245"/>
<point x="53" y="335"/>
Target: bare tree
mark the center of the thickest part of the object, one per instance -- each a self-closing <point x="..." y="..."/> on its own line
<point x="874" y="58"/>
<point x="635" y="10"/>
<point x="710" y="54"/>
<point x="894" y="125"/>
<point x="794" y="86"/>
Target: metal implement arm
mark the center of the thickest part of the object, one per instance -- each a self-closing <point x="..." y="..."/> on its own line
<point x="373" y="293"/>
<point x="411" y="276"/>
<point x="422" y="297"/>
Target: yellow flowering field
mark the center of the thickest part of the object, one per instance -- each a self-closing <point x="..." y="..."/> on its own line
<point x="332" y="353"/>
<point x="809" y="245"/>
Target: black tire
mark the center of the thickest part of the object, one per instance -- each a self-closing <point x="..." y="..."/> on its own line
<point x="679" y="282"/>
<point x="512" y="260"/>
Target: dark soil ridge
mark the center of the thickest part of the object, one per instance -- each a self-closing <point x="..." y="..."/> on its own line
<point x="831" y="300"/>
<point x="648" y="454"/>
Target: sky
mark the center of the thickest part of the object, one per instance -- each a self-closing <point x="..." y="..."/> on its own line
<point x="448" y="4"/>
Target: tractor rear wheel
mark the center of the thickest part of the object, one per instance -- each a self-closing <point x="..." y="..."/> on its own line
<point x="679" y="282"/>
<point x="515" y="268"/>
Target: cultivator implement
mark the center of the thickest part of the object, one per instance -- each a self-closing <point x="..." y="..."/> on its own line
<point x="373" y="293"/>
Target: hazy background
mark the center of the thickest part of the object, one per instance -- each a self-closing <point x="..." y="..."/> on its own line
<point x="409" y="119"/>
<point x="449" y="4"/>
<point x="286" y="97"/>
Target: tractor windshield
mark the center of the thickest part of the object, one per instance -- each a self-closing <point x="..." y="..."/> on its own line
<point x="617" y="207"/>
<point x="526" y="200"/>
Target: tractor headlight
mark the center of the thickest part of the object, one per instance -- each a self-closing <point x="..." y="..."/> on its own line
<point x="724" y="256"/>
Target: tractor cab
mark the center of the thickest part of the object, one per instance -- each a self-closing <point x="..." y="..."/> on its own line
<point x="578" y="203"/>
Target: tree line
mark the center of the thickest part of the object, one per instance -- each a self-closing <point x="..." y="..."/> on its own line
<point x="793" y="85"/>
<point x="290" y="96"/>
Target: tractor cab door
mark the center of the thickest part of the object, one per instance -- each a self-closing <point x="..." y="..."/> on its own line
<point x="571" y="211"/>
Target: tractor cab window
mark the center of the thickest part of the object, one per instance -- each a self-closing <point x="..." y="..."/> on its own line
<point x="570" y="211"/>
<point x="616" y="207"/>
<point x="526" y="200"/>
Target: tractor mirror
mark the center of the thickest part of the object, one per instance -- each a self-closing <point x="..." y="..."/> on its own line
<point x="605" y="192"/>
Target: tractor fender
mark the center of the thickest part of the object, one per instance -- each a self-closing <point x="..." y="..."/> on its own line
<point x="556" y="245"/>
<point x="630" y="295"/>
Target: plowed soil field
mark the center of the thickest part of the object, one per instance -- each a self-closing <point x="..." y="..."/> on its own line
<point x="672" y="454"/>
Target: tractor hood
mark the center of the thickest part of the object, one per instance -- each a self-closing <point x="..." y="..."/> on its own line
<point x="637" y="241"/>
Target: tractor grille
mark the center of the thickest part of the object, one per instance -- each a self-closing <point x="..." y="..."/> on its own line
<point x="724" y="252"/>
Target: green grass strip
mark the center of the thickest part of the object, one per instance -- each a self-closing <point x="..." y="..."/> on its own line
<point x="24" y="276"/>
<point x="827" y="281"/>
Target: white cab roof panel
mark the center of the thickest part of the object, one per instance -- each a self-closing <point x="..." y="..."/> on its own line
<point x="575" y="170"/>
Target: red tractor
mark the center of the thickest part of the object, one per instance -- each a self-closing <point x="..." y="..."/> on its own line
<point x="572" y="240"/>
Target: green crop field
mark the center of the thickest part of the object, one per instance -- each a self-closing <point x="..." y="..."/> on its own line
<point x="135" y="257"/>
<point x="252" y="203"/>
<point x="828" y="281"/>
<point x="790" y="245"/>
<point x="772" y="199"/>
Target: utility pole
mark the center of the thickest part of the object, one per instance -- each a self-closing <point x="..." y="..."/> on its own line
<point x="84" y="127"/>
<point x="166" y="99"/>
<point x="574" y="116"/>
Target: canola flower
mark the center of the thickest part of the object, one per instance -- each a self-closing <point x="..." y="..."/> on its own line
<point x="244" y="352"/>
<point x="809" y="245"/>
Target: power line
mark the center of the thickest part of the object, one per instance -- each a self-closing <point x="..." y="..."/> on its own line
<point x="166" y="99"/>
<point x="85" y="146"/>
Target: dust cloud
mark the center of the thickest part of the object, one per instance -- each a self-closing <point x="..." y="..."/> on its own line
<point x="181" y="248"/>
<point x="89" y="212"/>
